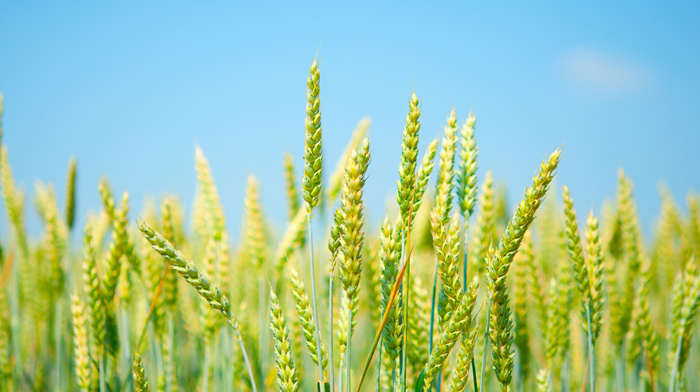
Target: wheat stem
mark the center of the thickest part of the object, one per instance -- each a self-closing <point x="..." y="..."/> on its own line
<point x="313" y="299"/>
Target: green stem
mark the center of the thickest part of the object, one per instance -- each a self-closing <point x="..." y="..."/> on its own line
<point x="313" y="300"/>
<point x="247" y="362"/>
<point x="262" y="312"/>
<point x="406" y="299"/>
<point x="620" y="373"/>
<point x="486" y="345"/>
<point x="591" y="349"/>
<point x="348" y="365"/>
<point x="432" y="309"/>
<point x="432" y="314"/>
<point x="676" y="361"/>
<point x="207" y="360"/>
<point x="101" y="370"/>
<point x="169" y="373"/>
<point x="331" y="375"/>
<point x="58" y="338"/>
<point x="379" y="366"/>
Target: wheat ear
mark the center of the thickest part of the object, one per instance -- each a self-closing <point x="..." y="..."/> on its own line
<point x="484" y="228"/>
<point x="290" y="187"/>
<point x="70" y="192"/>
<point x="306" y="317"/>
<point x="287" y="377"/>
<point x="457" y="325"/>
<point x="352" y="235"/>
<point x="206" y="289"/>
<point x="212" y="206"/>
<point x="83" y="366"/>
<point x="409" y="158"/>
<point x="498" y="312"/>
<point x="140" y="380"/>
<point x="312" y="179"/>
<point x="389" y="256"/>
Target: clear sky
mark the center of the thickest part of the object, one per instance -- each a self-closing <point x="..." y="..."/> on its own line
<point x="131" y="88"/>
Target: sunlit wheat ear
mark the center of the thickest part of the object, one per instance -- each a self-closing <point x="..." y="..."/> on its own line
<point x="56" y="235"/>
<point x="313" y="149"/>
<point x="466" y="177"/>
<point x="168" y="224"/>
<point x="543" y="381"/>
<point x="423" y="176"/>
<point x="352" y="235"/>
<point x="334" y="238"/>
<point x="95" y="300"/>
<point x="459" y="324"/>
<point x="445" y="183"/>
<point x="71" y="181"/>
<point x="83" y="367"/>
<point x="14" y="204"/>
<point x="461" y="368"/>
<point x="254" y="230"/>
<point x="116" y="249"/>
<point x="447" y="252"/>
<point x="484" y="228"/>
<point x="630" y="240"/>
<point x="686" y="301"/>
<point x="205" y="288"/>
<point x="409" y="157"/>
<point x="501" y="323"/>
<point x="389" y="256"/>
<point x="573" y="244"/>
<point x="596" y="267"/>
<point x="290" y="187"/>
<point x="287" y="377"/>
<point x="140" y="380"/>
<point x="642" y="339"/>
<point x="418" y="326"/>
<point x="210" y="195"/>
<point x="177" y="261"/>
<point x="306" y="317"/>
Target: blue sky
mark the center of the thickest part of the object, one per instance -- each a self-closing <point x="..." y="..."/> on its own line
<point x="132" y="88"/>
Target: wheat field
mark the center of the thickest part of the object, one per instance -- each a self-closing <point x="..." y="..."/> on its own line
<point x="454" y="291"/>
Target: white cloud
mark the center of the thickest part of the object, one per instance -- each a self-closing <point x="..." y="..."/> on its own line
<point x="594" y="72"/>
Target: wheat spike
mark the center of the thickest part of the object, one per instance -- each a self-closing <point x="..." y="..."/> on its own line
<point x="287" y="377"/>
<point x="313" y="149"/>
<point x="140" y="380"/>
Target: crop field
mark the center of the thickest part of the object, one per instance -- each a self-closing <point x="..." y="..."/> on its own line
<point x="455" y="291"/>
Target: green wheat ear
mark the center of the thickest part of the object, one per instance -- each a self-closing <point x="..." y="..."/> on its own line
<point x="83" y="365"/>
<point x="466" y="177"/>
<point x="306" y="317"/>
<point x="352" y="236"/>
<point x="389" y="259"/>
<point x="501" y="323"/>
<point x="290" y="187"/>
<point x="254" y="230"/>
<point x="213" y="210"/>
<point x="409" y="156"/>
<point x="287" y="376"/>
<point x="313" y="158"/>
<point x="140" y="380"/>
<point x="70" y="192"/>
